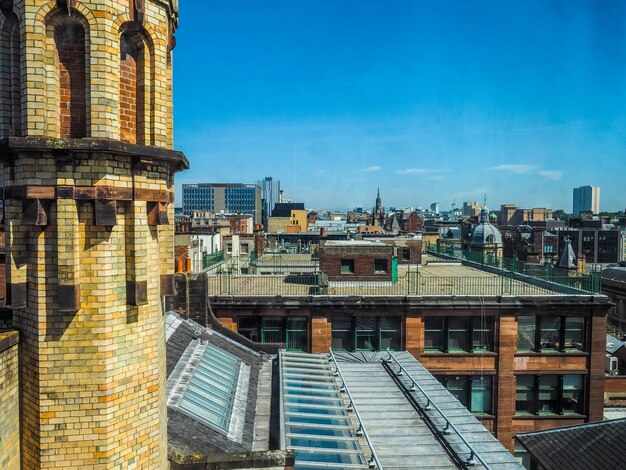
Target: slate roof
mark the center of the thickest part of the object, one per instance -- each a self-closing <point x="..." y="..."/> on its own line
<point x="188" y="436"/>
<point x="581" y="447"/>
<point x="613" y="344"/>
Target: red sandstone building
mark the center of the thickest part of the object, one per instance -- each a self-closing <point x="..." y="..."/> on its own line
<point x="521" y="353"/>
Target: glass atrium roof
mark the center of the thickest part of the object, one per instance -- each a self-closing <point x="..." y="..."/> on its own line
<point x="314" y="419"/>
<point x="206" y="389"/>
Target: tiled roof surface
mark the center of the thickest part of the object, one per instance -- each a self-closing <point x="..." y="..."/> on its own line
<point x="582" y="447"/>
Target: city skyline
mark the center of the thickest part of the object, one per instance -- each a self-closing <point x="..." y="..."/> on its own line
<point x="431" y="102"/>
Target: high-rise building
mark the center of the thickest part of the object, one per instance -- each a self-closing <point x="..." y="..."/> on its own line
<point x="88" y="176"/>
<point x="235" y="198"/>
<point x="586" y="198"/>
<point x="270" y="193"/>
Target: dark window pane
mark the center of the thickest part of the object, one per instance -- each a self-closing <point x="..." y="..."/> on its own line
<point x="524" y="394"/>
<point x="526" y="326"/>
<point x="433" y="333"/>
<point x="481" y="394"/>
<point x="406" y="254"/>
<point x="347" y="266"/>
<point x="458" y="387"/>
<point x="550" y="332"/>
<point x="458" y="334"/>
<point x="574" y="333"/>
<point x="380" y="265"/>
<point x="366" y="341"/>
<point x="390" y="339"/>
<point x="483" y="334"/>
<point x="548" y="399"/>
<point x="272" y="330"/>
<point x="248" y="327"/>
<point x="573" y="401"/>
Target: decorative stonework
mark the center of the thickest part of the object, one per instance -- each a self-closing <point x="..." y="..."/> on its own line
<point x="89" y="234"/>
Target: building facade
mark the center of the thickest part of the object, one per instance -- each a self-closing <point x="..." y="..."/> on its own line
<point x="236" y="198"/>
<point x="88" y="176"/>
<point x="521" y="357"/>
<point x="586" y="198"/>
<point x="270" y="194"/>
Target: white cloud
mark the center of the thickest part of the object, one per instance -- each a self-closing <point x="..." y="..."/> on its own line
<point x="513" y="168"/>
<point x="551" y="174"/>
<point x="421" y="171"/>
<point x="370" y="168"/>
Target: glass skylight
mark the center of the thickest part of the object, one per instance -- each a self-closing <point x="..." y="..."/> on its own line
<point x="315" y="423"/>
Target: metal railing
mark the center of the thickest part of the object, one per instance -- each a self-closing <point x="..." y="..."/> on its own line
<point x="373" y="462"/>
<point x="514" y="268"/>
<point x="429" y="403"/>
<point x="409" y="283"/>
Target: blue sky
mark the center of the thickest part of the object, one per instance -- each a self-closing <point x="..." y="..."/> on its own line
<point x="428" y="100"/>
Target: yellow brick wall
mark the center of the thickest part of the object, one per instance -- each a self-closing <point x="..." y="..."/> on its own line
<point x="103" y="21"/>
<point x="93" y="380"/>
<point x="9" y="401"/>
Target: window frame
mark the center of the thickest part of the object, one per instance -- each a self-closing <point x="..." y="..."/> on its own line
<point x="470" y="331"/>
<point x="468" y="392"/>
<point x="561" y="346"/>
<point x="346" y="263"/>
<point x="378" y="264"/>
<point x="560" y="391"/>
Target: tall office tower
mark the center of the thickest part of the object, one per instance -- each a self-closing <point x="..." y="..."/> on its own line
<point x="227" y="197"/>
<point x="270" y="193"/>
<point x="586" y="198"/>
<point x="88" y="171"/>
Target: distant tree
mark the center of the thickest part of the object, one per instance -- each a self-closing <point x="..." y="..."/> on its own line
<point x="558" y="214"/>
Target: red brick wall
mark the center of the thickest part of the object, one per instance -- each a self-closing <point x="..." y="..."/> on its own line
<point x="330" y="263"/>
<point x="596" y="368"/>
<point x="70" y="43"/>
<point x="321" y="335"/>
<point x="131" y="91"/>
<point x="505" y="383"/>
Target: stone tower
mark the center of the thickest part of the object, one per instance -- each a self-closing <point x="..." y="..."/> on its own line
<point x="88" y="172"/>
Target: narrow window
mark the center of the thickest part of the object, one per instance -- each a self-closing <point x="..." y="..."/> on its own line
<point x="132" y="88"/>
<point x="481" y="394"/>
<point x="574" y="333"/>
<point x="482" y="334"/>
<point x="525" y="394"/>
<point x="347" y="266"/>
<point x="548" y="398"/>
<point x="297" y="333"/>
<point x="458" y="387"/>
<point x="390" y="333"/>
<point x="458" y="334"/>
<point x="70" y="46"/>
<point x="434" y="334"/>
<point x="573" y="396"/>
<point x="248" y="327"/>
<point x="365" y="333"/>
<point x="342" y="333"/>
<point x="526" y="330"/>
<point x="550" y="333"/>
<point x="380" y="266"/>
<point x="272" y="330"/>
<point x="406" y="254"/>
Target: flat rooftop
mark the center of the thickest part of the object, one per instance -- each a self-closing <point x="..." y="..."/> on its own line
<point x="437" y="277"/>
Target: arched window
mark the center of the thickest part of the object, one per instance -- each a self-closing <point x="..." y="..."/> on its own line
<point x="69" y="40"/>
<point x="10" y="77"/>
<point x="132" y="89"/>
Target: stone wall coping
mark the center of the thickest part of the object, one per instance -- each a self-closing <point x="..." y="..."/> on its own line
<point x="62" y="147"/>
<point x="8" y="339"/>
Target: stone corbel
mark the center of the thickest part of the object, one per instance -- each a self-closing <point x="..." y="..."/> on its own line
<point x="171" y="44"/>
<point x="35" y="212"/>
<point x="157" y="213"/>
<point x="105" y="212"/>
